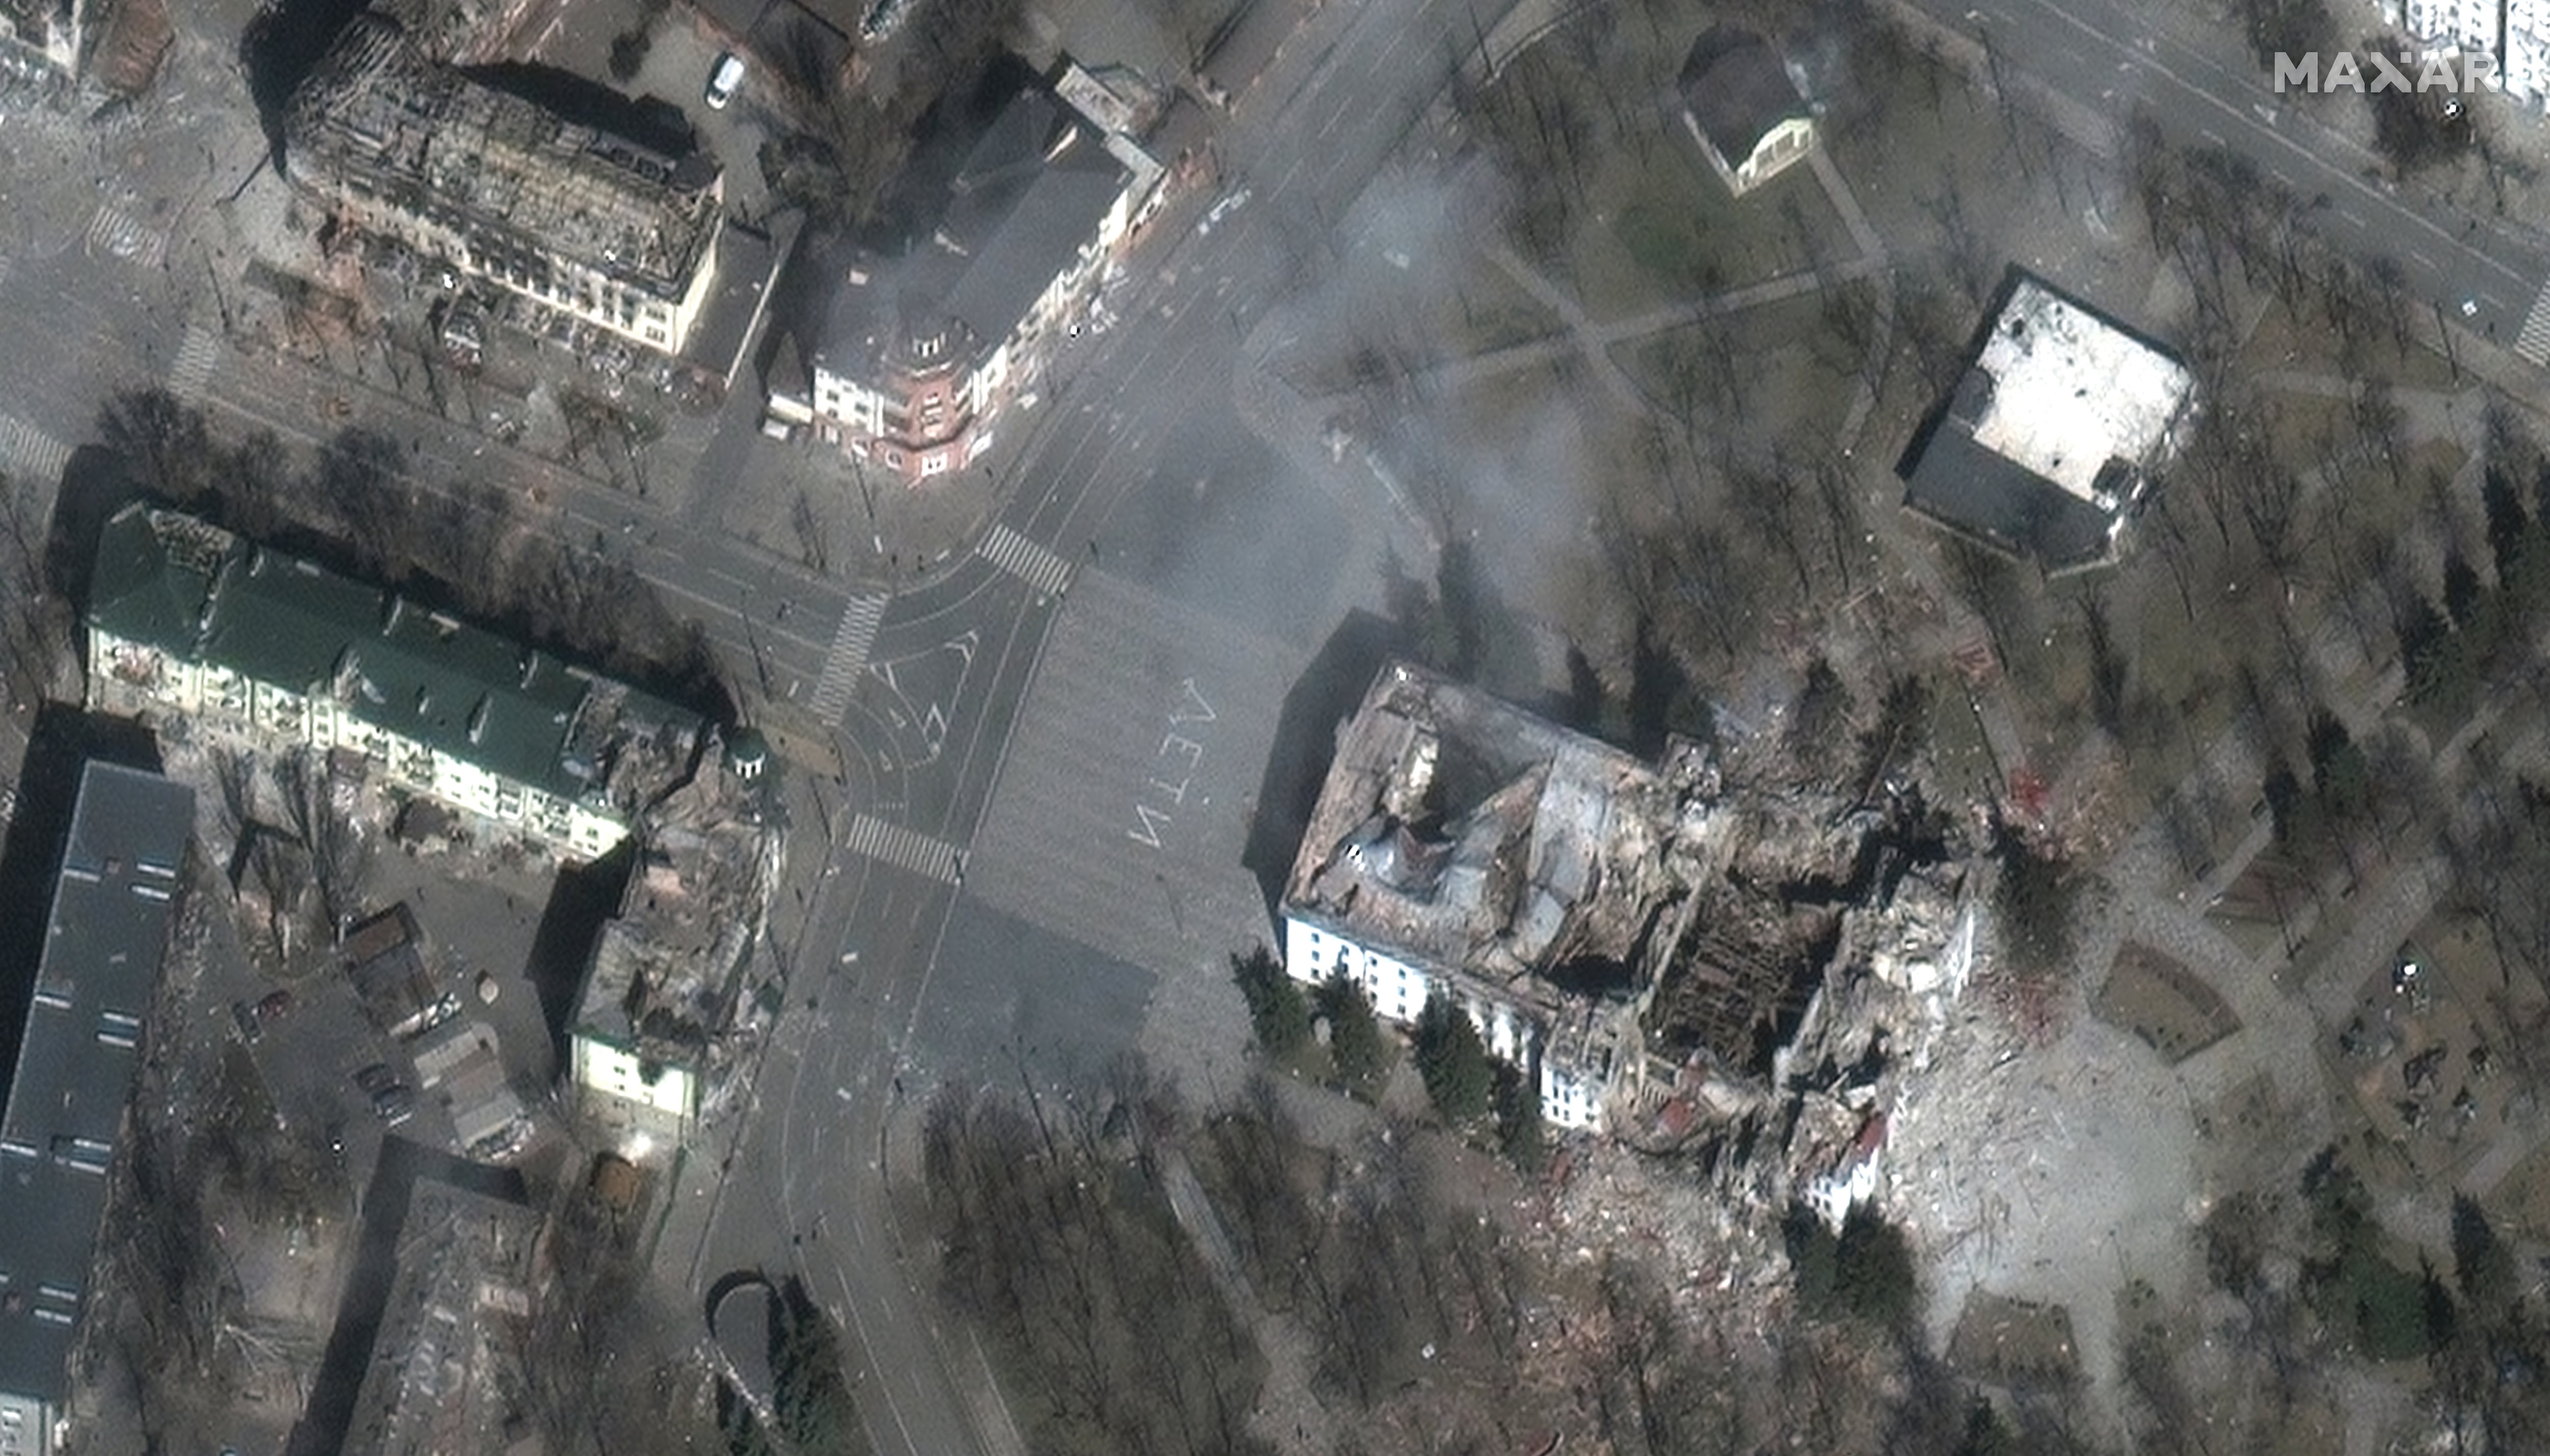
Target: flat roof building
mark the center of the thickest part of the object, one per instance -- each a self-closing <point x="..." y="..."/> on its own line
<point x="104" y="941"/>
<point x="2052" y="434"/>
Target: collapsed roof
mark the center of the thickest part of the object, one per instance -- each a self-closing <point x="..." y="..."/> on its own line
<point x="378" y="116"/>
<point x="1459" y="833"/>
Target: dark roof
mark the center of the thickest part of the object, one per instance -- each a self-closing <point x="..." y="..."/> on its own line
<point x="93" y="983"/>
<point x="1029" y="197"/>
<point x="514" y="711"/>
<point x="1955" y="480"/>
<point x="1961" y="483"/>
<point x="748" y="260"/>
<point x="1736" y="89"/>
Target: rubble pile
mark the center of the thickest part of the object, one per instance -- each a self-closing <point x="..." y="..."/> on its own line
<point x="668" y="969"/>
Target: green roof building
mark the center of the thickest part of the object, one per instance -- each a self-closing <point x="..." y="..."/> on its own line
<point x="188" y="620"/>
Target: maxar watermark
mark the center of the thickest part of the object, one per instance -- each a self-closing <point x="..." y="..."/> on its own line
<point x="2455" y="74"/>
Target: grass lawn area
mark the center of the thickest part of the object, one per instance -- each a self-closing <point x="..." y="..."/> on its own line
<point x="1478" y="308"/>
<point x="1666" y="231"/>
<point x="1789" y="394"/>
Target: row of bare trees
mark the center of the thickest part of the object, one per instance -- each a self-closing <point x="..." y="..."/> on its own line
<point x="1058" y="1239"/>
<point x="478" y="546"/>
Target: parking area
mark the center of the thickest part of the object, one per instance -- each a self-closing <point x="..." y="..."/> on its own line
<point x="674" y="66"/>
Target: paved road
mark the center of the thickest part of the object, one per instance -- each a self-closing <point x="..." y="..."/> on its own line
<point x="1141" y="509"/>
<point x="2194" y="78"/>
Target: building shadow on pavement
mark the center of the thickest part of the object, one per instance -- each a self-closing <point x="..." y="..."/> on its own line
<point x="1306" y="739"/>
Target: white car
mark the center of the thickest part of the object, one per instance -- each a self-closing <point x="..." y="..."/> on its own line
<point x="725" y="79"/>
<point x="1222" y="208"/>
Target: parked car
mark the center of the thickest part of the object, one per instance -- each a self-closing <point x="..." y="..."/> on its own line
<point x="394" y="1104"/>
<point x="376" y="1078"/>
<point x="725" y="79"/>
<point x="243" y="1015"/>
<point x="275" y="1005"/>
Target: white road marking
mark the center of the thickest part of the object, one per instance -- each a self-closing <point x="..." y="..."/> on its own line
<point x="907" y="849"/>
<point x="31" y="453"/>
<point x="849" y="655"/>
<point x="2533" y="343"/>
<point x="1028" y="560"/>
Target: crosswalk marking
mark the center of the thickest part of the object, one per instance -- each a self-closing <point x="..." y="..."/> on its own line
<point x="30" y="453"/>
<point x="1035" y="564"/>
<point x="113" y="229"/>
<point x="2533" y="345"/>
<point x="848" y="654"/>
<point x="907" y="849"/>
<point x="197" y="354"/>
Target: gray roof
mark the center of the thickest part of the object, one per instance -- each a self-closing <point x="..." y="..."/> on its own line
<point x="1029" y="198"/>
<point x="1736" y="90"/>
<point x="1955" y="481"/>
<point x="65" y="1109"/>
<point x="747" y="262"/>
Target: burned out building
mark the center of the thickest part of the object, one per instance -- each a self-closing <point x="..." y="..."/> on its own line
<point x="1624" y="930"/>
<point x="1463" y="848"/>
<point x="664" y="989"/>
<point x="617" y="232"/>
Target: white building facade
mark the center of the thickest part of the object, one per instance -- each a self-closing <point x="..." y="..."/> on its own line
<point x="1518" y="1035"/>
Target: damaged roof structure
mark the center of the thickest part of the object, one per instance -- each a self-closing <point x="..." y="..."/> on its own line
<point x="1463" y="848"/>
<point x="249" y="642"/>
<point x="665" y="979"/>
<point x="1621" y="928"/>
<point x="608" y="228"/>
<point x="2054" y="432"/>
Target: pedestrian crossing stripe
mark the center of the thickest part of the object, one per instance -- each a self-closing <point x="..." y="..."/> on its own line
<point x="197" y="355"/>
<point x="2533" y="343"/>
<point x="1035" y="565"/>
<point x="848" y="654"/>
<point x="113" y="229"/>
<point x="908" y="850"/>
<point x="30" y="453"/>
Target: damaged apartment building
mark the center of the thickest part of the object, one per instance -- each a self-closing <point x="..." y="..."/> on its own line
<point x="192" y="624"/>
<point x="1647" y="941"/>
<point x="458" y="166"/>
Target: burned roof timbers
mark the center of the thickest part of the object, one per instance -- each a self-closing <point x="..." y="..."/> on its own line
<point x="1519" y="864"/>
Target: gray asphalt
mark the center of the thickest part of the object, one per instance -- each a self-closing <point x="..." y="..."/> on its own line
<point x="2191" y="74"/>
<point x="1137" y="452"/>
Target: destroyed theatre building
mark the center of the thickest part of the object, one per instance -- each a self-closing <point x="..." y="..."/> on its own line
<point x="920" y="353"/>
<point x="2054" y="432"/>
<point x="80" y="1044"/>
<point x="665" y="983"/>
<point x="1743" y="108"/>
<point x="1631" y="934"/>
<point x="190" y="624"/>
<point x="452" y="166"/>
